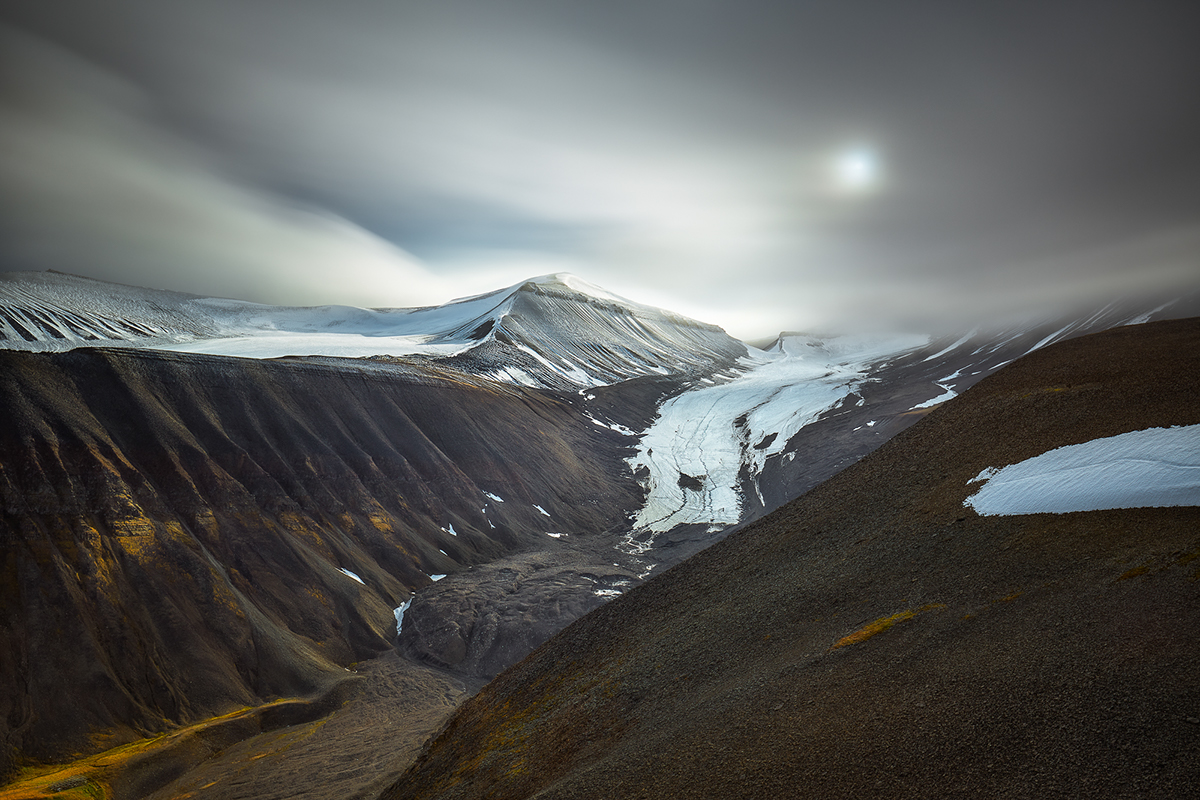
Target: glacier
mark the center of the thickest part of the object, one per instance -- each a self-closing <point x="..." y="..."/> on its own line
<point x="702" y="440"/>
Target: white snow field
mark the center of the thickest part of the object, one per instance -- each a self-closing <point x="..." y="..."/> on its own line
<point x="704" y="437"/>
<point x="948" y="393"/>
<point x="1155" y="467"/>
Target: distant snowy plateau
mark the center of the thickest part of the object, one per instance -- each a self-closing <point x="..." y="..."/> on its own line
<point x="733" y="413"/>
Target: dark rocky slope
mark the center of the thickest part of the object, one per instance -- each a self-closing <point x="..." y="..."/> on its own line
<point x="877" y="639"/>
<point x="174" y="527"/>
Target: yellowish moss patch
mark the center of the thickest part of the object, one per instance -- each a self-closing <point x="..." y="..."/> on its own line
<point x="872" y="628"/>
<point x="880" y="625"/>
<point x="92" y="775"/>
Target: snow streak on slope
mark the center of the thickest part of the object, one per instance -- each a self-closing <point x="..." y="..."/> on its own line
<point x="705" y="441"/>
<point x="1155" y="467"/>
<point x="50" y="311"/>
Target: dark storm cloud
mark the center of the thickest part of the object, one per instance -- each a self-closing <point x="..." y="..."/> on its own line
<point x="683" y="153"/>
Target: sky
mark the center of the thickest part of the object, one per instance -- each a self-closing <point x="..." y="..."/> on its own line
<point x="764" y="165"/>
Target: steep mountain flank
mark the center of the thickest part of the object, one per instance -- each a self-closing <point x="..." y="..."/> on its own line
<point x="877" y="638"/>
<point x="185" y="535"/>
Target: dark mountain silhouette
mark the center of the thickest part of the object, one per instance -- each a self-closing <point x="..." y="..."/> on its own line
<point x="876" y="638"/>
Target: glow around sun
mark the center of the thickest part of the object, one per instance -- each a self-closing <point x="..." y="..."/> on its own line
<point x="857" y="169"/>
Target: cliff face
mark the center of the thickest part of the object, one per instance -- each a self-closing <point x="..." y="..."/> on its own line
<point x="878" y="638"/>
<point x="178" y="530"/>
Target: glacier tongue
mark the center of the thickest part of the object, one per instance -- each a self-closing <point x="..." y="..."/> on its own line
<point x="696" y="450"/>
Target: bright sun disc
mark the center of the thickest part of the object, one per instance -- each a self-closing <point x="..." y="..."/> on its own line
<point x="857" y="169"/>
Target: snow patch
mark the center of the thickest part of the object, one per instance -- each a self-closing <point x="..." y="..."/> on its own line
<point x="1141" y="319"/>
<point x="954" y="346"/>
<point x="571" y="372"/>
<point x="436" y="577"/>
<point x="1048" y="339"/>
<point x="345" y="571"/>
<point x="513" y="375"/>
<point x="985" y="474"/>
<point x="539" y="508"/>
<point x="612" y="426"/>
<point x="947" y="394"/>
<point x="1155" y="467"/>
<point x="399" y="614"/>
<point x="555" y="535"/>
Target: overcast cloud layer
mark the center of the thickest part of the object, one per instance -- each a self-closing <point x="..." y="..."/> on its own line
<point x="761" y="165"/>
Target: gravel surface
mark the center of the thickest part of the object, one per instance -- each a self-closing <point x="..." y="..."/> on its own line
<point x="341" y="756"/>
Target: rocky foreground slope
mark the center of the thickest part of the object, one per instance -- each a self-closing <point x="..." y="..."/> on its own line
<point x="878" y="638"/>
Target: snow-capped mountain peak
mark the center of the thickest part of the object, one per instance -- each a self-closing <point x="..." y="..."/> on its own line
<point x="567" y="283"/>
<point x="561" y="331"/>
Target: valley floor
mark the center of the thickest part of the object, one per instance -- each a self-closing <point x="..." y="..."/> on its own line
<point x="340" y="756"/>
<point x="336" y="756"/>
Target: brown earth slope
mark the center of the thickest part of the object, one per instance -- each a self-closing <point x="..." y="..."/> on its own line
<point x="173" y="528"/>
<point x="877" y="639"/>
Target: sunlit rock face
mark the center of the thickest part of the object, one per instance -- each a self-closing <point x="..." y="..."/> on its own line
<point x="178" y="529"/>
